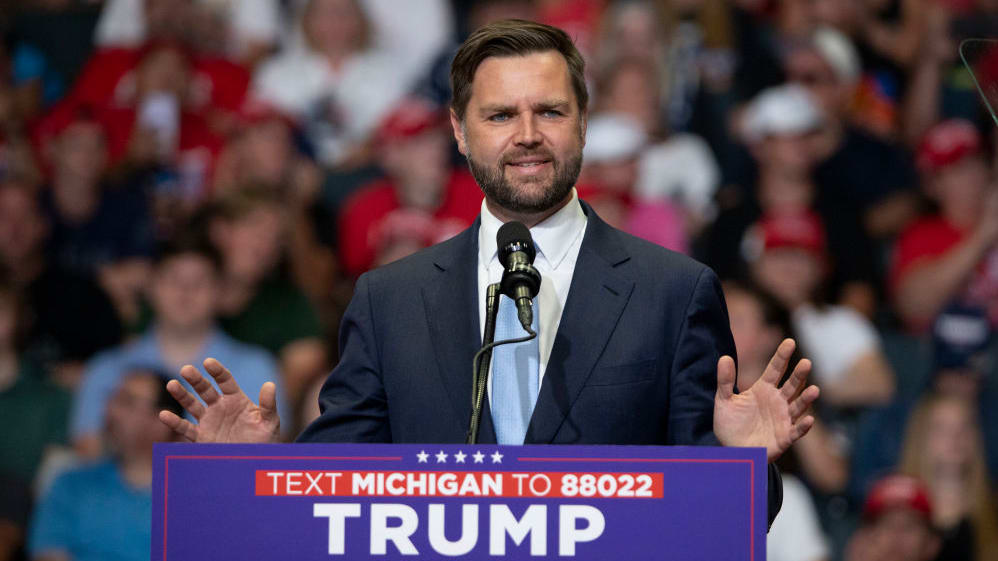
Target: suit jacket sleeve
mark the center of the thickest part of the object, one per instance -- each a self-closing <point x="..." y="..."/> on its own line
<point x="353" y="402"/>
<point x="704" y="338"/>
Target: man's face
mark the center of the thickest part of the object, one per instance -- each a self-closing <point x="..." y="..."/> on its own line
<point x="184" y="290"/>
<point x="523" y="131"/>
<point x="132" y="415"/>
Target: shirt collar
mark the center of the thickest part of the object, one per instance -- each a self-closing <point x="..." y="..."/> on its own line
<point x="553" y="236"/>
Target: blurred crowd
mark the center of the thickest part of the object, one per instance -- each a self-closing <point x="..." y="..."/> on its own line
<point x="191" y="178"/>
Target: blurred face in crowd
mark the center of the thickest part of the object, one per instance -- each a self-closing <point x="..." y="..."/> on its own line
<point x="420" y="166"/>
<point x="806" y="67"/>
<point x="166" y="18"/>
<point x="950" y="442"/>
<point x="251" y="244"/>
<point x="22" y="228"/>
<point x="960" y="189"/>
<point x="80" y="153"/>
<point x="334" y="25"/>
<point x="790" y="274"/>
<point x="631" y="90"/>
<point x="133" y="415"/>
<point x="266" y="152"/>
<point x="184" y="291"/>
<point x="634" y="30"/>
<point x="164" y="70"/>
<point x="523" y="132"/>
<point x="788" y="155"/>
<point x="899" y="534"/>
<point x="755" y="340"/>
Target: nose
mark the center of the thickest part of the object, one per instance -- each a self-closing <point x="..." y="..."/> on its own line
<point x="527" y="134"/>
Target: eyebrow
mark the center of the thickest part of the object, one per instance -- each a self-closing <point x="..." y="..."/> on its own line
<point x="539" y="106"/>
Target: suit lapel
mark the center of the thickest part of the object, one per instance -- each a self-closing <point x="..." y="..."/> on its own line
<point x="597" y="297"/>
<point x="451" y="310"/>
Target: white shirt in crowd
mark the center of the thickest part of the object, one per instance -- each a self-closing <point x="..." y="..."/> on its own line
<point x="833" y="337"/>
<point x="796" y="534"/>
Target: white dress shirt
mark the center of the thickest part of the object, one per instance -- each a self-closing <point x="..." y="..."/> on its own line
<point x="558" y="240"/>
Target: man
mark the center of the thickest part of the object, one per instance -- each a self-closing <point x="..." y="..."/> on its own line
<point x="897" y="523"/>
<point x="630" y="333"/>
<point x="183" y="294"/>
<point x="104" y="510"/>
<point x="950" y="257"/>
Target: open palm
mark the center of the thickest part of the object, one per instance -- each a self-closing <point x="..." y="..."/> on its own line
<point x="764" y="415"/>
<point x="227" y="417"/>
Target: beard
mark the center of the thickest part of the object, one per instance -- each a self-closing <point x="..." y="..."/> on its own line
<point x="549" y="194"/>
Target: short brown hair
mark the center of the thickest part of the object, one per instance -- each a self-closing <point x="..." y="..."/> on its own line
<point x="513" y="37"/>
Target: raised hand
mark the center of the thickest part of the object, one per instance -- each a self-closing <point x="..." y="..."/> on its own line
<point x="764" y="415"/>
<point x="229" y="417"/>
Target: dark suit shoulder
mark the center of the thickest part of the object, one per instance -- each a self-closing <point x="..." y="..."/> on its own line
<point x="421" y="266"/>
<point x="650" y="260"/>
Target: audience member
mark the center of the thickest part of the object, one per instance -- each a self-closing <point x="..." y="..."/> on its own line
<point x="943" y="447"/>
<point x="70" y="317"/>
<point x="423" y="199"/>
<point x="184" y="294"/>
<point x="614" y="145"/>
<point x="897" y="523"/>
<point x="244" y="30"/>
<point x="337" y="83"/>
<point x="779" y="127"/>
<point x="28" y="400"/>
<point x="257" y="303"/>
<point x="788" y="259"/>
<point x="103" y="510"/>
<point x="863" y="177"/>
<point x="949" y="256"/>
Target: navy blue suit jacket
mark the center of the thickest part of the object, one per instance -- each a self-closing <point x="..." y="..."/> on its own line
<point x="634" y="360"/>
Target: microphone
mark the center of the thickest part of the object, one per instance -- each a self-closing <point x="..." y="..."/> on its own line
<point x="520" y="280"/>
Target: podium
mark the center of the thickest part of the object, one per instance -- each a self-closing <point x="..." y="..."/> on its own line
<point x="428" y="502"/>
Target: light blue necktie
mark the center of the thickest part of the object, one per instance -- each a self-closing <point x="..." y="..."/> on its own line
<point x="514" y="375"/>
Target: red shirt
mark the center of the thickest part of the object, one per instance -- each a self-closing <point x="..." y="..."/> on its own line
<point x="373" y="215"/>
<point x="932" y="237"/>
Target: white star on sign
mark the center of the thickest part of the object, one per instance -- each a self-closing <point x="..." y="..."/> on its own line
<point x="422" y="456"/>
<point x="479" y="457"/>
<point x="459" y="457"/>
<point x="441" y="457"/>
<point x="496" y="457"/>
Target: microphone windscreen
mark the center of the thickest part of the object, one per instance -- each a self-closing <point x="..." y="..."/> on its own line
<point x="514" y="236"/>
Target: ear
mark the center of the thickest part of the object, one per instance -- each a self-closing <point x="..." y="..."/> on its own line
<point x="455" y="123"/>
<point x="583" y="124"/>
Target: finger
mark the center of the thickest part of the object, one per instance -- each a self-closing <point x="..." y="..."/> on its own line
<point x="268" y="400"/>
<point x="778" y="364"/>
<point x="200" y="384"/>
<point x="795" y="383"/>
<point x="185" y="398"/>
<point x="803" y="403"/>
<point x="180" y="426"/>
<point x="801" y="427"/>
<point x="726" y="377"/>
<point x="222" y="377"/>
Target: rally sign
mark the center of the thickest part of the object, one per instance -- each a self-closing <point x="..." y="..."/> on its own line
<point x="428" y="502"/>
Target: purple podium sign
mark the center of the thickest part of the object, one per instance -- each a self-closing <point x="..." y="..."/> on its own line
<point x="429" y="502"/>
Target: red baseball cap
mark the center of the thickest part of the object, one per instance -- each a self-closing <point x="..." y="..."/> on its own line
<point x="412" y="117"/>
<point x="946" y="143"/>
<point x="897" y="491"/>
<point x="803" y="230"/>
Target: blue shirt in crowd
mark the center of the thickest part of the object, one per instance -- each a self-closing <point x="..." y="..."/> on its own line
<point x="251" y="366"/>
<point x="92" y="514"/>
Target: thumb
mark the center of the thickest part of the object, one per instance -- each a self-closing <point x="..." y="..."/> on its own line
<point x="725" y="377"/>
<point x="268" y="400"/>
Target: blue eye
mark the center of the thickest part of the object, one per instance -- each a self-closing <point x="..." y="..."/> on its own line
<point x="499" y="117"/>
<point x="552" y="113"/>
